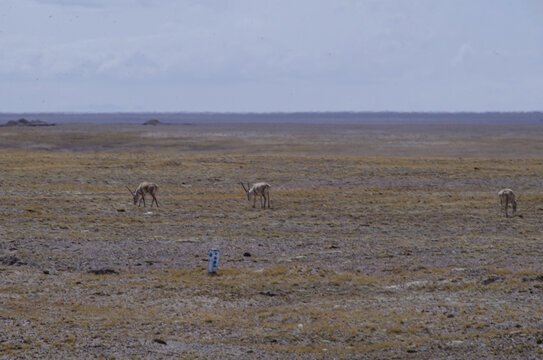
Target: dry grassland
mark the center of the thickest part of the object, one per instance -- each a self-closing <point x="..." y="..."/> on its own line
<point x="382" y="242"/>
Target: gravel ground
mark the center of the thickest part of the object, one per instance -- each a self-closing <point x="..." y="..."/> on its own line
<point x="382" y="242"/>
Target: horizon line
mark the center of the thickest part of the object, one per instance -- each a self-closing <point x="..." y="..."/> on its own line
<point x="277" y="112"/>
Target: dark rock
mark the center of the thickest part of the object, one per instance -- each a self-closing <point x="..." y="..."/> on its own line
<point x="11" y="260"/>
<point x="533" y="278"/>
<point x="247" y="254"/>
<point x="492" y="279"/>
<point x="103" y="272"/>
<point x="160" y="341"/>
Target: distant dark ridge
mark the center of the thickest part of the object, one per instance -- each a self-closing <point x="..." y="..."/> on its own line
<point x="153" y="122"/>
<point x="535" y="117"/>
<point x="25" y="122"/>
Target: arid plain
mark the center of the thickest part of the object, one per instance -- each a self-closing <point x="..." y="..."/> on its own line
<point x="383" y="242"/>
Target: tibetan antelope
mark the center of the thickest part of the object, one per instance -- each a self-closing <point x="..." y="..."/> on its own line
<point x="259" y="189"/>
<point x="144" y="188"/>
<point x="507" y="196"/>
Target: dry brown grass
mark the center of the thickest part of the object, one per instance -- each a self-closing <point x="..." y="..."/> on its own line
<point x="361" y="256"/>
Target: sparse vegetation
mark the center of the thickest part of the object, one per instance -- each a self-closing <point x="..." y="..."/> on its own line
<point x="360" y="256"/>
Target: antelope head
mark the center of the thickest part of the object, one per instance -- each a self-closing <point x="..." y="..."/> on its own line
<point x="134" y="195"/>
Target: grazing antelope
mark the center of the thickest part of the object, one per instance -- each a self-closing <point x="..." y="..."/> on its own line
<point x="259" y="189"/>
<point x="144" y="188"/>
<point x="507" y="196"/>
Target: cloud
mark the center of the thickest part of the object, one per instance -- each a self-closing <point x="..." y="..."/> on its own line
<point x="371" y="54"/>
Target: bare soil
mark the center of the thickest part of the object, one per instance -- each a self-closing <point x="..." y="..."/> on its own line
<point x="383" y="242"/>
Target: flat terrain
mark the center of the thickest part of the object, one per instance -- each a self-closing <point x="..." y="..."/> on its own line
<point x="383" y="242"/>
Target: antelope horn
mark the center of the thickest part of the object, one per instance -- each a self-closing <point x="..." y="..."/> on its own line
<point x="131" y="192"/>
<point x="243" y="186"/>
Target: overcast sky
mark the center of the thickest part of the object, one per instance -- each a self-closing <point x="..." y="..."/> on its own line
<point x="271" y="55"/>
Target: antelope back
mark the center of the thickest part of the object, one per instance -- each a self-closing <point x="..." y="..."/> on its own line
<point x="261" y="188"/>
<point x="147" y="187"/>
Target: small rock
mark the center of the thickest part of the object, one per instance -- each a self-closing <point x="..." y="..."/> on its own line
<point x="454" y="343"/>
<point x="492" y="279"/>
<point x="533" y="278"/>
<point x="103" y="272"/>
<point x="247" y="254"/>
<point x="160" y="341"/>
<point x="46" y="272"/>
<point x="11" y="260"/>
<point x="189" y="240"/>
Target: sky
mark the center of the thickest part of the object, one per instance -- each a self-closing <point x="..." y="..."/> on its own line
<point x="270" y="55"/>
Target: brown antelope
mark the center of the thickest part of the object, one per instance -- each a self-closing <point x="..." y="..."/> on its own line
<point x="144" y="188"/>
<point x="259" y="189"/>
<point x="507" y="196"/>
